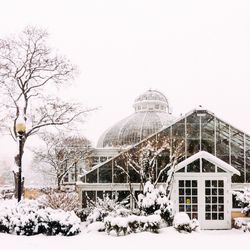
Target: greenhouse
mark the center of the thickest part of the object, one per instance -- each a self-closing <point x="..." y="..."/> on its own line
<point x="213" y="159"/>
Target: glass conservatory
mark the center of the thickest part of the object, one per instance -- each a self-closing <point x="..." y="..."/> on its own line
<point x="214" y="159"/>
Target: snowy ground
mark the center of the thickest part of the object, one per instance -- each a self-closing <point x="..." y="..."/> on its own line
<point x="167" y="239"/>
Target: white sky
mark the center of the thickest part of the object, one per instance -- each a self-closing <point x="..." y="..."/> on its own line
<point x="195" y="52"/>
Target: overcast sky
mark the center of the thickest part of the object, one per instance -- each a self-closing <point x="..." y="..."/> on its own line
<point x="195" y="52"/>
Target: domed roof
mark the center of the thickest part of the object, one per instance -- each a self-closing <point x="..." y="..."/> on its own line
<point x="151" y="114"/>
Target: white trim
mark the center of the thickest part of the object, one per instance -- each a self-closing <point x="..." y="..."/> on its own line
<point x="209" y="157"/>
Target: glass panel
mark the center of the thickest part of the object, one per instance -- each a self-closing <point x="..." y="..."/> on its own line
<point x="181" y="199"/>
<point x="181" y="208"/>
<point x="84" y="199"/>
<point x="91" y="196"/>
<point x="134" y="176"/>
<point x="194" y="166"/>
<point x="123" y="197"/>
<point x="178" y="136"/>
<point x="119" y="175"/>
<point x="207" y="133"/>
<point x="214" y="216"/>
<point x="207" y="183"/>
<point x="181" y="170"/>
<point x="221" y="216"/>
<point x="91" y="177"/>
<point x="220" y="170"/>
<point x="208" y="191"/>
<point x="193" y="134"/>
<point x="207" y="166"/>
<point x="162" y="161"/>
<point x="193" y="146"/>
<point x="105" y="173"/>
<point x="221" y="199"/>
<point x="194" y="183"/>
<point x="208" y="216"/>
<point x="103" y="194"/>
<point x="181" y="183"/>
<point x="222" y="140"/>
<point x="237" y="153"/>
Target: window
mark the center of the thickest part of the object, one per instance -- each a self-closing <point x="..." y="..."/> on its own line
<point x="105" y="173"/>
<point x="208" y="133"/>
<point x="222" y="140"/>
<point x="194" y="166"/>
<point x="119" y="176"/>
<point x="123" y="197"/>
<point x="91" y="177"/>
<point x="102" y="194"/>
<point x="66" y="178"/>
<point x="88" y="197"/>
<point x="207" y="167"/>
<point x="193" y="134"/>
<point x="237" y="153"/>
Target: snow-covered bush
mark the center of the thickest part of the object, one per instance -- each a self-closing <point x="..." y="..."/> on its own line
<point x="83" y="213"/>
<point x="154" y="200"/>
<point x="242" y="223"/>
<point x="97" y="226"/>
<point x="244" y="199"/>
<point x="105" y="207"/>
<point x="30" y="218"/>
<point x="182" y="223"/>
<point x="132" y="223"/>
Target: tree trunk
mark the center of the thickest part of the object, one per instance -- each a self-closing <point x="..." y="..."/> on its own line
<point x="59" y="183"/>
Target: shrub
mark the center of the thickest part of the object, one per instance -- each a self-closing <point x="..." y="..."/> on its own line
<point x="83" y="213"/>
<point x="182" y="223"/>
<point x="244" y="199"/>
<point x="30" y="218"/>
<point x="105" y="207"/>
<point x="242" y="223"/>
<point x="154" y="200"/>
<point x="67" y="201"/>
<point x="132" y="223"/>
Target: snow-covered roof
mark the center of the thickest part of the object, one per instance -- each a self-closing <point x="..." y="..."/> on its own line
<point x="209" y="157"/>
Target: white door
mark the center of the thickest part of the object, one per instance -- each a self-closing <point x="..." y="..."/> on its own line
<point x="214" y="204"/>
<point x="205" y="199"/>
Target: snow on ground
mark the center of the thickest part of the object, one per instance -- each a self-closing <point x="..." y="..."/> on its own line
<point x="168" y="238"/>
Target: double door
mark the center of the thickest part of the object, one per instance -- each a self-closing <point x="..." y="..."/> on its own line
<point x="204" y="199"/>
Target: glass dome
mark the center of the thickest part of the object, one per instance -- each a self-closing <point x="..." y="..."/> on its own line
<point x="151" y="114"/>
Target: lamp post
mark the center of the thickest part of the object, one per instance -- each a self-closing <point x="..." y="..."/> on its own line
<point x="20" y="130"/>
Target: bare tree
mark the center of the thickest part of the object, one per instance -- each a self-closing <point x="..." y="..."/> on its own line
<point x="63" y="154"/>
<point x="28" y="68"/>
<point x="144" y="160"/>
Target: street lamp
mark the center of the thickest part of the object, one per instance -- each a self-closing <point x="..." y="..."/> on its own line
<point x="20" y="130"/>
